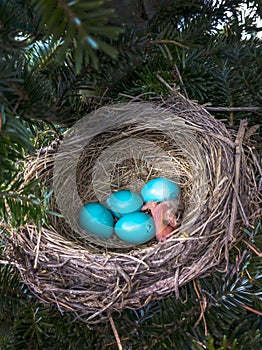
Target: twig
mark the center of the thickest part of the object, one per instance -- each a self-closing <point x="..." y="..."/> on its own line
<point x="233" y="109"/>
<point x="203" y="305"/>
<point x="6" y="262"/>
<point x="253" y="248"/>
<point x="181" y="81"/>
<point x="235" y="269"/>
<point x="238" y="143"/>
<point x="37" y="249"/>
<point x="138" y="97"/>
<point x="176" y="74"/>
<point x="163" y="41"/>
<point x="242" y="211"/>
<point x="176" y="282"/>
<point x="257" y="312"/>
<point x="118" y="341"/>
<point x="167" y="85"/>
<point x="256" y="161"/>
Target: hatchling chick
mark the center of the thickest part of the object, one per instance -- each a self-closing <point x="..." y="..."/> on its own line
<point x="165" y="217"/>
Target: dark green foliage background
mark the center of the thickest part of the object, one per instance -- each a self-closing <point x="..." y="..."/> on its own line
<point x="61" y="59"/>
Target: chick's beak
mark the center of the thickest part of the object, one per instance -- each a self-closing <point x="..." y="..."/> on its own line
<point x="164" y="222"/>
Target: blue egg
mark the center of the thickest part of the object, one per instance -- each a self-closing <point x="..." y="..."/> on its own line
<point x="124" y="202"/>
<point x="136" y="228"/>
<point x="97" y="220"/>
<point x="160" y="189"/>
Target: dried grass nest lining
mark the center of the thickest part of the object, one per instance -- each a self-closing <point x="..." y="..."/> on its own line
<point x="90" y="280"/>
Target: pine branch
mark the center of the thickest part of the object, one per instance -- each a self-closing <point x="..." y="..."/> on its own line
<point x="81" y="25"/>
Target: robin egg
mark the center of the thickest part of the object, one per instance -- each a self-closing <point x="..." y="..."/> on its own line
<point x="124" y="202"/>
<point x="160" y="189"/>
<point x="136" y="228"/>
<point x="96" y="219"/>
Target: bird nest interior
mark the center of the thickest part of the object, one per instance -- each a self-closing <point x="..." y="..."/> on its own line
<point x="122" y="147"/>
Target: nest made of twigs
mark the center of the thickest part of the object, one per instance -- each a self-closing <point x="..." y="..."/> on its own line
<point x="91" y="277"/>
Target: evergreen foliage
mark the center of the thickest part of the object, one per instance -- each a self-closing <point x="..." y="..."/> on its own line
<point x="212" y="62"/>
<point x="58" y="62"/>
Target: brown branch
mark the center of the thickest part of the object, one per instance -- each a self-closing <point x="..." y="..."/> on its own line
<point x="257" y="312"/>
<point x="37" y="249"/>
<point x="181" y="81"/>
<point x="232" y="109"/>
<point x="176" y="72"/>
<point x="238" y="143"/>
<point x="6" y="262"/>
<point x="118" y="341"/>
<point x="162" y="80"/>
<point x="176" y="281"/>
<point x="203" y="305"/>
<point x="163" y="41"/>
<point x="242" y="211"/>
<point x="253" y="248"/>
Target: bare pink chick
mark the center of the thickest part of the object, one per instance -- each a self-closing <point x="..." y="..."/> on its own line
<point x="165" y="220"/>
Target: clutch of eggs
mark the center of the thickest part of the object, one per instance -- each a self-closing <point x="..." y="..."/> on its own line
<point x="122" y="214"/>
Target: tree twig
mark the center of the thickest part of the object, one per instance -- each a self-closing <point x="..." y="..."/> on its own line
<point x="37" y="248"/>
<point x="238" y="143"/>
<point x="243" y="214"/>
<point x="176" y="72"/>
<point x="233" y="109"/>
<point x="167" y="85"/>
<point x="163" y="41"/>
<point x="203" y="305"/>
<point x="181" y="81"/>
<point x="253" y="248"/>
<point x="257" y="312"/>
<point x="118" y="341"/>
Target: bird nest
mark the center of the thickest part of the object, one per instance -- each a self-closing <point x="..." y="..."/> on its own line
<point x="122" y="147"/>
